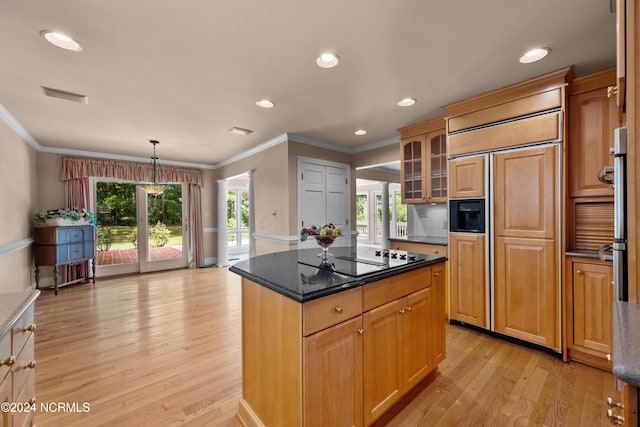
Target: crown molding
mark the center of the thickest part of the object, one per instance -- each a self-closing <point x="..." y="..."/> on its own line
<point x="22" y="133"/>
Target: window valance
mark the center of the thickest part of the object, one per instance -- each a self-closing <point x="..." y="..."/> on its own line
<point x="81" y="167"/>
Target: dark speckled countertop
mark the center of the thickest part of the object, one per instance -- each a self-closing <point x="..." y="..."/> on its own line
<point x="301" y="275"/>
<point x="429" y="240"/>
<point x="626" y="342"/>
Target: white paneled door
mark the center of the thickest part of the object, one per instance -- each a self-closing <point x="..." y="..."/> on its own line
<point x="323" y="196"/>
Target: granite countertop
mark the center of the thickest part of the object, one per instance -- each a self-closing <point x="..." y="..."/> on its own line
<point x="626" y="342"/>
<point x="429" y="240"/>
<point x="301" y="275"/>
<point x="12" y="306"/>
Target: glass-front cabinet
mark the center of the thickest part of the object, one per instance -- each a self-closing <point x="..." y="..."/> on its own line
<point x="423" y="151"/>
<point x="437" y="152"/>
<point x="412" y="170"/>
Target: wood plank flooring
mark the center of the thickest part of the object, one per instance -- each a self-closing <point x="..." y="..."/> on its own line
<point x="163" y="349"/>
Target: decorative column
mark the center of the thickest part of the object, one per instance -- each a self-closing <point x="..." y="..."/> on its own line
<point x="385" y="215"/>
<point x="223" y="248"/>
<point x="252" y="222"/>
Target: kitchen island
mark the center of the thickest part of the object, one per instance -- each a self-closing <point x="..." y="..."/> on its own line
<point x="340" y="342"/>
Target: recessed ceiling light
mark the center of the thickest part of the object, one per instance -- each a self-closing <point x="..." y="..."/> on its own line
<point x="406" y="102"/>
<point x="239" y="131"/>
<point x="360" y="132"/>
<point x="61" y="40"/>
<point x="534" y="55"/>
<point x="328" y="60"/>
<point x="265" y="103"/>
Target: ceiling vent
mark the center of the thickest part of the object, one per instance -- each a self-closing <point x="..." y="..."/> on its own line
<point x="68" y="96"/>
<point x="239" y="131"/>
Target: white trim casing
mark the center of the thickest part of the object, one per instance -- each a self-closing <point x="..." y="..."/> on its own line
<point x="15" y="247"/>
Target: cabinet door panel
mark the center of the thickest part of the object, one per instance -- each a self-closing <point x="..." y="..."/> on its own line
<point x="468" y="278"/>
<point x="382" y="382"/>
<point x="592" y="301"/>
<point x="5" y="397"/>
<point x="526" y="291"/>
<point x="333" y="376"/>
<point x="526" y="193"/>
<point x="592" y="118"/>
<point x="438" y="313"/>
<point x="467" y="177"/>
<point x="416" y="338"/>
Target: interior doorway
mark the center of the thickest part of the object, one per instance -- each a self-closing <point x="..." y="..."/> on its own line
<point x="238" y="215"/>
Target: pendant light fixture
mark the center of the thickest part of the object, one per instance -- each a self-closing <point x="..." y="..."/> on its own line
<point x="155" y="189"/>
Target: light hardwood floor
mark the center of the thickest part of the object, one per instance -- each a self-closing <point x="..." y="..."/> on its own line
<point x="163" y="349"/>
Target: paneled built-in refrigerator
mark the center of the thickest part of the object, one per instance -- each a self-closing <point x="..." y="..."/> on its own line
<point x="507" y="278"/>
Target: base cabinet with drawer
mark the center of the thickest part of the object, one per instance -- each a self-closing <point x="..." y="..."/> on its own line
<point x="17" y="360"/>
<point x="64" y="245"/>
<point x="340" y="360"/>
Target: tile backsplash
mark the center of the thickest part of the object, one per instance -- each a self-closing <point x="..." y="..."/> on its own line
<point x="428" y="220"/>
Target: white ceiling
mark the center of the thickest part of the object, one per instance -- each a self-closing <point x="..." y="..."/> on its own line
<point x="185" y="72"/>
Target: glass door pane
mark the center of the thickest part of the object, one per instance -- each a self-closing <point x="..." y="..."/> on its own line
<point x="116" y="231"/>
<point x="162" y="229"/>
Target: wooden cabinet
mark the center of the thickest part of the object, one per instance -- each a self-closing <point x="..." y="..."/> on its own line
<point x="17" y="363"/>
<point x="420" y="248"/>
<point x="467" y="177"/>
<point x="622" y="409"/>
<point x="526" y="249"/>
<point x="593" y="116"/>
<point x="340" y="360"/>
<point x="589" y="301"/>
<point x="413" y="170"/>
<point x="423" y="165"/>
<point x="526" y="290"/>
<point x="437" y="166"/>
<point x="56" y="246"/>
<point x="398" y="351"/>
<point x="467" y="258"/>
<point x="438" y="312"/>
<point x="526" y="201"/>
<point x="332" y="379"/>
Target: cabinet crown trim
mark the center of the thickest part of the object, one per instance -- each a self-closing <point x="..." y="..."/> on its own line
<point x="513" y="92"/>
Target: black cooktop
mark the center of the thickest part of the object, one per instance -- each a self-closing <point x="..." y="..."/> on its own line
<point x="357" y="263"/>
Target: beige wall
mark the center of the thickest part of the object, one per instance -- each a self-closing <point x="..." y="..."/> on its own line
<point x="378" y="156"/>
<point x="272" y="207"/>
<point x="18" y="194"/>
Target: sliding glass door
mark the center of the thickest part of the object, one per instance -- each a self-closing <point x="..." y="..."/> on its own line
<point x="137" y="232"/>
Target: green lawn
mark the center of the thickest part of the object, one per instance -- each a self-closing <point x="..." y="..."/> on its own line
<point x="121" y="236"/>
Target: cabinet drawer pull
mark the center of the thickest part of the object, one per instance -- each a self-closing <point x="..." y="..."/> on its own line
<point x="579" y="271"/>
<point x="612" y="90"/>
<point x="338" y="309"/>
<point x="408" y="308"/>
<point x="613" y="404"/>
<point x="30" y="365"/>
<point x="435" y="252"/>
<point x="9" y="361"/>
<point x="436" y="274"/>
<point x="401" y="311"/>
<point x="608" y="356"/>
<point x="360" y="331"/>
<point x="615" y="419"/>
<point x="30" y="328"/>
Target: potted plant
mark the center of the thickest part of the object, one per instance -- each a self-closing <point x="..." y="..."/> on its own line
<point x="56" y="217"/>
